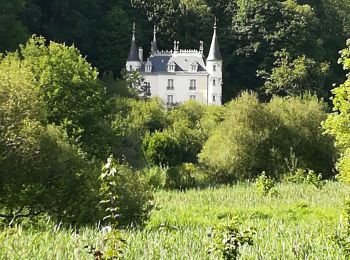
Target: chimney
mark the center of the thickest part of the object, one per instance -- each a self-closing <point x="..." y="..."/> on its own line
<point x="201" y="47"/>
<point x="141" y="54"/>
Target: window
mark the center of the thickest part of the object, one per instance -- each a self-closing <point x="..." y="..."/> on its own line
<point x="130" y="68"/>
<point x="170" y="84"/>
<point x="193" y="97"/>
<point x="171" y="67"/>
<point x="146" y="89"/>
<point x="214" y="82"/>
<point x="194" y="67"/>
<point x="214" y="67"/>
<point x="214" y="98"/>
<point x="148" y="68"/>
<point x="193" y="84"/>
<point x="170" y="99"/>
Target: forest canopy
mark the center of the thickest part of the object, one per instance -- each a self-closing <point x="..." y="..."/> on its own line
<point x="251" y="33"/>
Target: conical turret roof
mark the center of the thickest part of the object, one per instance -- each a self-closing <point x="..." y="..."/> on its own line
<point x="214" y="53"/>
<point x="133" y="55"/>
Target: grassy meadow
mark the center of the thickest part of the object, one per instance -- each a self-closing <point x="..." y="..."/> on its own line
<point x="295" y="224"/>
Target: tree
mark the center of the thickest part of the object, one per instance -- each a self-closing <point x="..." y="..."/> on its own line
<point x="12" y="30"/>
<point x="337" y="123"/>
<point x="294" y="77"/>
<point x="41" y="171"/>
<point x="71" y="91"/>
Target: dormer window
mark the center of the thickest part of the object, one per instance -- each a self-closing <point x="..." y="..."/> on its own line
<point x="171" y="66"/>
<point x="148" y="67"/>
<point x="194" y="67"/>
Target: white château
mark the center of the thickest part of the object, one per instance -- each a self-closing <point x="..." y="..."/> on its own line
<point x="179" y="75"/>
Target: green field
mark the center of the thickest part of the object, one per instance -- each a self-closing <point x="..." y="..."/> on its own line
<point x="296" y="224"/>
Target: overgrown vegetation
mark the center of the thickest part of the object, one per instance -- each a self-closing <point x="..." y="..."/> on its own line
<point x="296" y="224"/>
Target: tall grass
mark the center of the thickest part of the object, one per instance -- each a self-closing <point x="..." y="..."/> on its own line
<point x="296" y="224"/>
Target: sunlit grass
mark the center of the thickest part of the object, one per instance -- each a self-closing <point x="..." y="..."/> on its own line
<point x="296" y="224"/>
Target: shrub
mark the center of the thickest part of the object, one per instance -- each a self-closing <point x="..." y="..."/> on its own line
<point x="228" y="239"/>
<point x="300" y="132"/>
<point x="265" y="185"/>
<point x="156" y="176"/>
<point x="125" y="196"/>
<point x="113" y="246"/>
<point x="181" y="177"/>
<point x="314" y="179"/>
<point x="256" y="137"/>
<point x="162" y="148"/>
<point x="132" y="120"/>
<point x="305" y="176"/>
<point x="240" y="147"/>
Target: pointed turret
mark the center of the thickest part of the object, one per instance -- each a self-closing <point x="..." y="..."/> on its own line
<point x="154" y="46"/>
<point x="214" y="68"/>
<point x="214" y="53"/>
<point x="133" y="55"/>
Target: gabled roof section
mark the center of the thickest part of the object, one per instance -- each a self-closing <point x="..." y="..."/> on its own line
<point x="133" y="54"/>
<point x="214" y="53"/>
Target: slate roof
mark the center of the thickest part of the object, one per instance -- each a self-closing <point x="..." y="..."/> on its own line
<point x="133" y="54"/>
<point x="182" y="62"/>
<point x="214" y="53"/>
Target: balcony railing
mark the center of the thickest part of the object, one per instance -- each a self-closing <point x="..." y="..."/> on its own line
<point x="193" y="88"/>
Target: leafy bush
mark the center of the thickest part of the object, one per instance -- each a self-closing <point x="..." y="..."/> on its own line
<point x="228" y="239"/>
<point x="241" y="146"/>
<point x="131" y="121"/>
<point x="181" y="177"/>
<point x="305" y="176"/>
<point x="126" y="198"/>
<point x="300" y="133"/>
<point x="265" y="185"/>
<point x="156" y="176"/>
<point x="113" y="246"/>
<point x="256" y="137"/>
<point x="162" y="148"/>
<point x="314" y="179"/>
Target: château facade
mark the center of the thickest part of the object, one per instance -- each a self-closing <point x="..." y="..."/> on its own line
<point x="179" y="75"/>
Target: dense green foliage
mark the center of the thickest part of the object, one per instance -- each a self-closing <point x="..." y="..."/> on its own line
<point x="125" y="196"/>
<point x="337" y="123"/>
<point x="250" y="31"/>
<point x="290" y="78"/>
<point x="256" y="137"/>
